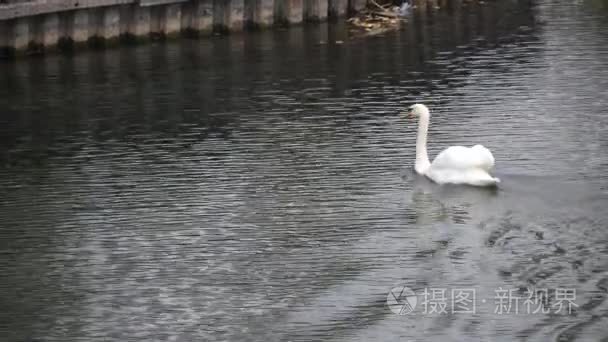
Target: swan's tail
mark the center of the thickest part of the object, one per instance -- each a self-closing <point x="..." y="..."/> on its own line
<point x="491" y="181"/>
<point x="482" y="178"/>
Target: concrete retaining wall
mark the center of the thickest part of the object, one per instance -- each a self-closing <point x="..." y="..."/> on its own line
<point x="41" y="25"/>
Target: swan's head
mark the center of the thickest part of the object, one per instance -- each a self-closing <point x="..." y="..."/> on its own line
<point x="417" y="110"/>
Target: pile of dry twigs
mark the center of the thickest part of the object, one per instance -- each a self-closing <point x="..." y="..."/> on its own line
<point x="377" y="18"/>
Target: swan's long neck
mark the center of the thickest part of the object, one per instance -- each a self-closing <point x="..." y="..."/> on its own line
<point x="422" y="158"/>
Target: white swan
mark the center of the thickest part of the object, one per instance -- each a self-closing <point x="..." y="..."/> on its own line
<point x="454" y="165"/>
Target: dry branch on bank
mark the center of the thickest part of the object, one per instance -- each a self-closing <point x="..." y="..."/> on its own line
<point x="378" y="18"/>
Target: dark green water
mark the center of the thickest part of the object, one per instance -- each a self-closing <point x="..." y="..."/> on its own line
<point x="258" y="187"/>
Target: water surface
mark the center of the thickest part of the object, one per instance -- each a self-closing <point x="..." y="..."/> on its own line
<point x="258" y="187"/>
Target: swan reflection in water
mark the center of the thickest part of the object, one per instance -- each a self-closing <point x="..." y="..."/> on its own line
<point x="449" y="202"/>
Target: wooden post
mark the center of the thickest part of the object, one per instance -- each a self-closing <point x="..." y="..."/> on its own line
<point x="228" y="15"/>
<point x="50" y="29"/>
<point x="110" y="29"/>
<point x="21" y="33"/>
<point x="296" y="11"/>
<point x="337" y="8"/>
<point x="173" y="19"/>
<point x="141" y="25"/>
<point x="202" y="16"/>
<point x="316" y="10"/>
<point x="263" y="12"/>
<point x="80" y="26"/>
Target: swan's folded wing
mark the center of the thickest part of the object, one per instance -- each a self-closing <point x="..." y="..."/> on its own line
<point x="460" y="157"/>
<point x="484" y="156"/>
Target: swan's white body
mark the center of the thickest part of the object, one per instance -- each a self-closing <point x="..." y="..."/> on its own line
<point x="454" y="165"/>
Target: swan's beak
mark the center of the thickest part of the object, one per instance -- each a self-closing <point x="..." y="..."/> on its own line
<point x="410" y="114"/>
